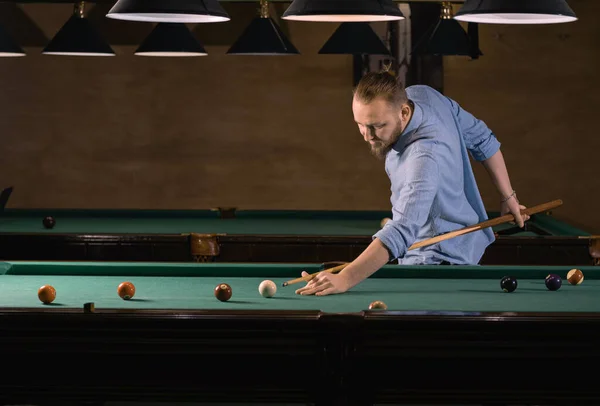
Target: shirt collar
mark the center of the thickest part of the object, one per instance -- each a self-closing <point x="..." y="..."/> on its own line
<point x="415" y="122"/>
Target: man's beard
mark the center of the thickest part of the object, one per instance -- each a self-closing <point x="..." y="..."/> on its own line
<point x="380" y="149"/>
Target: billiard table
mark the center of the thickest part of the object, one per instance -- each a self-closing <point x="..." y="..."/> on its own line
<point x="230" y="235"/>
<point x="449" y="335"/>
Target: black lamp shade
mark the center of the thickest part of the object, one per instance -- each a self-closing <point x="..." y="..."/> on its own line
<point x="446" y="37"/>
<point x="169" y="11"/>
<point x="343" y="10"/>
<point x="516" y="12"/>
<point x="8" y="46"/>
<point x="170" y="39"/>
<point x="263" y="37"/>
<point x="78" y="37"/>
<point x="355" y="39"/>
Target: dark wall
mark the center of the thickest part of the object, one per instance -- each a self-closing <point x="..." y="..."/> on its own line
<point x="277" y="132"/>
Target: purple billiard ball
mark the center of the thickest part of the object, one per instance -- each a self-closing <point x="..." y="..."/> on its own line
<point x="553" y="282"/>
<point x="49" y="222"/>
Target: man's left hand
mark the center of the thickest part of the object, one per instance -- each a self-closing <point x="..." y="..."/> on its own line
<point x="512" y="206"/>
<point x="324" y="283"/>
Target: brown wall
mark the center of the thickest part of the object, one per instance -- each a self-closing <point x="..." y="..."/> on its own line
<point x="277" y="132"/>
<point x="538" y="88"/>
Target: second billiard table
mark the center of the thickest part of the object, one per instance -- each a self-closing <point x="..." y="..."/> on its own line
<point x="450" y="335"/>
<point x="269" y="236"/>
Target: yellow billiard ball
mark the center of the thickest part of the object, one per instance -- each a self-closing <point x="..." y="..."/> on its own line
<point x="377" y="305"/>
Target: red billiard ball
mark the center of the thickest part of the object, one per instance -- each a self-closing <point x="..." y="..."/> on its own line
<point x="126" y="290"/>
<point x="49" y="222"/>
<point x="47" y="294"/>
<point x="223" y="292"/>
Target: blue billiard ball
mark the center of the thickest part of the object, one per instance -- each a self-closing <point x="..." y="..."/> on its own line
<point x="553" y="282"/>
<point x="508" y="284"/>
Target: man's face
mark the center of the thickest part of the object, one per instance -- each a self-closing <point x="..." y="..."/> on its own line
<point x="380" y="124"/>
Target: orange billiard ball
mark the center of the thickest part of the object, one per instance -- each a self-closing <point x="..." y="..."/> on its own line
<point x="575" y="276"/>
<point x="47" y="294"/>
<point x="223" y="292"/>
<point x="126" y="290"/>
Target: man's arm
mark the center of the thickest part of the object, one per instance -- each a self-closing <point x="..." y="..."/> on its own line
<point x="411" y="211"/>
<point x="479" y="139"/>
<point x="496" y="168"/>
<point x="372" y="258"/>
<point x="366" y="264"/>
<point x="485" y="148"/>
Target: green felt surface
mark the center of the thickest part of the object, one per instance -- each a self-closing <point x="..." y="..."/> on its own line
<point x="261" y="222"/>
<point x="402" y="288"/>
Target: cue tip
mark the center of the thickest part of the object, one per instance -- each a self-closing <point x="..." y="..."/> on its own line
<point x="284" y="284"/>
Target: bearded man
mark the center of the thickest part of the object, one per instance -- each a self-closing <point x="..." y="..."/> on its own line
<point x="425" y="139"/>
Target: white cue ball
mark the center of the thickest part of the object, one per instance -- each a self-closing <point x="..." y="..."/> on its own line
<point x="267" y="288"/>
<point x="384" y="221"/>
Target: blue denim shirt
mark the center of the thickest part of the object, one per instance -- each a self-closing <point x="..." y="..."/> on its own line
<point x="432" y="182"/>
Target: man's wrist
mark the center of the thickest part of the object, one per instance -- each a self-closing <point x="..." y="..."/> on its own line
<point x="507" y="198"/>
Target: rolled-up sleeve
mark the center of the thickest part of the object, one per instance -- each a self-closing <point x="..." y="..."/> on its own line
<point x="479" y="139"/>
<point x="413" y="205"/>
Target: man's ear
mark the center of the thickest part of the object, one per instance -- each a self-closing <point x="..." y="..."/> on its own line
<point x="404" y="112"/>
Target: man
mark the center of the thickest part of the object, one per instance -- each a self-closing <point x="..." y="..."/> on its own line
<point x="425" y="139"/>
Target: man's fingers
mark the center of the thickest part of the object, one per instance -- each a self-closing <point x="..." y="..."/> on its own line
<point x="524" y="216"/>
<point x="316" y="287"/>
<point x="520" y="222"/>
<point x="314" y="283"/>
<point x="310" y="290"/>
<point x="325" y="292"/>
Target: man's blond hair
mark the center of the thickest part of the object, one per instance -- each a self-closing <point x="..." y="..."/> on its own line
<point x="384" y="85"/>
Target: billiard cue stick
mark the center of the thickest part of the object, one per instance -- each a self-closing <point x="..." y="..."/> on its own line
<point x="446" y="236"/>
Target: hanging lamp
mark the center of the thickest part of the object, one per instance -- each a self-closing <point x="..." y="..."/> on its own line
<point x="355" y="39"/>
<point x="169" y="11"/>
<point x="78" y="37"/>
<point x="516" y="12"/>
<point x="446" y="37"/>
<point x="263" y="37"/>
<point x="343" y="11"/>
<point x="170" y="40"/>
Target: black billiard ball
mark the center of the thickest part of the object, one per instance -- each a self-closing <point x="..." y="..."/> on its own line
<point x="508" y="284"/>
<point x="553" y="282"/>
<point x="223" y="292"/>
<point x="49" y="222"/>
